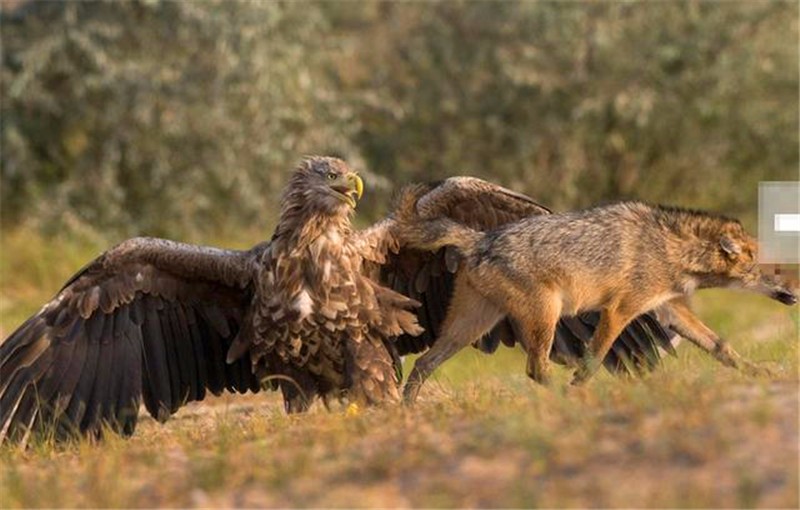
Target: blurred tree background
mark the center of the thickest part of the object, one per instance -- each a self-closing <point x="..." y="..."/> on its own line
<point x="182" y="119"/>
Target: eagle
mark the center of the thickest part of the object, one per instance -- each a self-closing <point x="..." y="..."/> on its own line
<point x="321" y="310"/>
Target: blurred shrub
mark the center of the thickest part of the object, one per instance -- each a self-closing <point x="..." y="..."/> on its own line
<point x="682" y="102"/>
<point x="159" y="117"/>
<point x="181" y="118"/>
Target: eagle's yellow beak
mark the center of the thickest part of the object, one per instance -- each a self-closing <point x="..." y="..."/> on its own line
<point x="358" y="184"/>
<point x="349" y="188"/>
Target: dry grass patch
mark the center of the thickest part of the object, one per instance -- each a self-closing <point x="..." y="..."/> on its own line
<point x="693" y="434"/>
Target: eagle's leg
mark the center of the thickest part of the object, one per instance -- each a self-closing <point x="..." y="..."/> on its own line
<point x="294" y="401"/>
<point x="470" y="317"/>
<point x="298" y="387"/>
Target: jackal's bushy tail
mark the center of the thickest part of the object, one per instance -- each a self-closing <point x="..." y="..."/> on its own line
<point x="416" y="230"/>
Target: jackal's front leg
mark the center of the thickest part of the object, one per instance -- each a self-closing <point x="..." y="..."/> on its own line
<point x="689" y="326"/>
<point x="538" y="329"/>
<point x="612" y="322"/>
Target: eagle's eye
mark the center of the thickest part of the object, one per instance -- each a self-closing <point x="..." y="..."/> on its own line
<point x="331" y="176"/>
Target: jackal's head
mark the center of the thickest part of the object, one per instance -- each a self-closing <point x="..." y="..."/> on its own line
<point x="737" y="260"/>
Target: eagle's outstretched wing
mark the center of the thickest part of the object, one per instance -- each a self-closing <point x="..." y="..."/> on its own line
<point x="149" y="319"/>
<point x="429" y="276"/>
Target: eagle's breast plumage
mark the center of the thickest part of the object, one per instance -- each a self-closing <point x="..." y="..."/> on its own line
<point x="314" y="308"/>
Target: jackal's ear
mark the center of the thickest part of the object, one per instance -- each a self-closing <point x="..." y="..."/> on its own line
<point x="730" y="247"/>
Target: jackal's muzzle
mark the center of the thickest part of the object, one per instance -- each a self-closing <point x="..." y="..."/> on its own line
<point x="774" y="288"/>
<point x="784" y="296"/>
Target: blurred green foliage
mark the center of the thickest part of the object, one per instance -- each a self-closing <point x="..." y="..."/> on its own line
<point x="182" y="118"/>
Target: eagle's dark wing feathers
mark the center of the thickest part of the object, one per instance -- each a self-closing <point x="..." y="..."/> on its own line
<point x="429" y="277"/>
<point x="147" y="320"/>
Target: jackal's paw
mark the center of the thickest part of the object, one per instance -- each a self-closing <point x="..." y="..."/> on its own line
<point x="584" y="372"/>
<point x="581" y="375"/>
<point x="539" y="373"/>
<point x="579" y="378"/>
<point x="410" y="393"/>
<point x="758" y="369"/>
<point x="543" y="378"/>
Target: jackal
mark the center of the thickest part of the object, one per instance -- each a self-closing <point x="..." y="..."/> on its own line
<point x="623" y="260"/>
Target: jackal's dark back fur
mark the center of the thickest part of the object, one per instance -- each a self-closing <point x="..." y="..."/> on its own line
<point x="627" y="239"/>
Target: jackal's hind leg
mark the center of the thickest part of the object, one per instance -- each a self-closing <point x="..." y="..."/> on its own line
<point x="612" y="322"/>
<point x="688" y="325"/>
<point x="470" y="316"/>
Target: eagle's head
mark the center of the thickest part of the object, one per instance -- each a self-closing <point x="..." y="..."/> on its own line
<point x="327" y="183"/>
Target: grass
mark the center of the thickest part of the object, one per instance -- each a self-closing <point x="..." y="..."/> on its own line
<point x="693" y="434"/>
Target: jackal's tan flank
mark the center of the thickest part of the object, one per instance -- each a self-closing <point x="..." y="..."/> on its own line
<point x="622" y="259"/>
